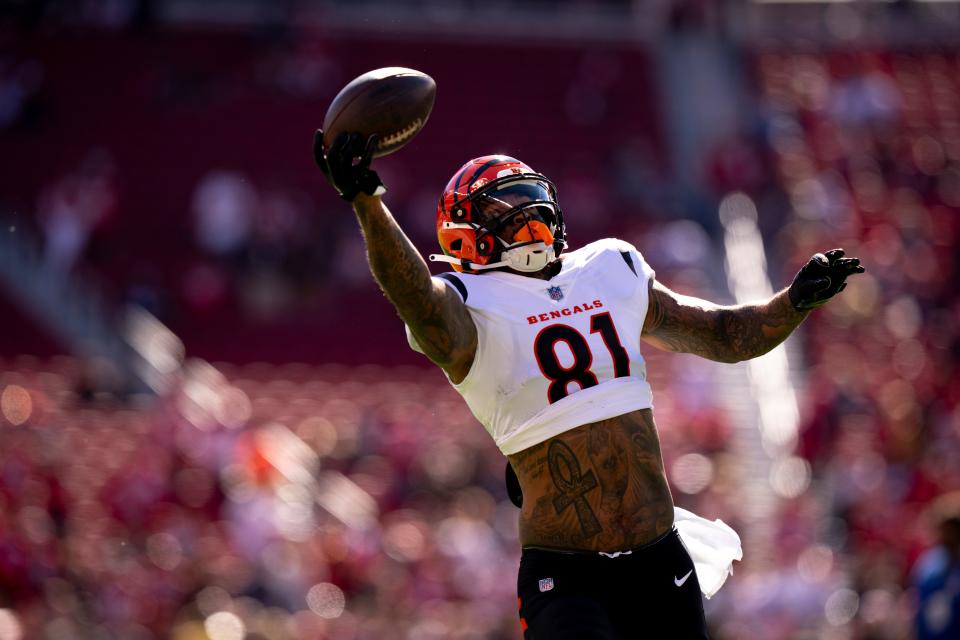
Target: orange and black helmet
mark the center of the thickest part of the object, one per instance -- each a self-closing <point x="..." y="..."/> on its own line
<point x="482" y="199"/>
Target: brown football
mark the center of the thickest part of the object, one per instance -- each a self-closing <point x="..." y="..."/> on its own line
<point x="392" y="102"/>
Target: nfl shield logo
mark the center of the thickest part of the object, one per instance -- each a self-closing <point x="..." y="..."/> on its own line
<point x="546" y="584"/>
<point x="556" y="293"/>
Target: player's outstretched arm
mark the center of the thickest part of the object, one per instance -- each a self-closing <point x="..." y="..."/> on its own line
<point x="733" y="333"/>
<point x="726" y="334"/>
<point x="435" y="314"/>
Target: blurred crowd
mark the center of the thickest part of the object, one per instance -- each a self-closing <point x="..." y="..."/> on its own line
<point x="226" y="226"/>
<point x="278" y="501"/>
<point x="866" y="147"/>
<point x="324" y="501"/>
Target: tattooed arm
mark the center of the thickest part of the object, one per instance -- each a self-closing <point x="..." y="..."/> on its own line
<point x="726" y="334"/>
<point x="435" y="314"/>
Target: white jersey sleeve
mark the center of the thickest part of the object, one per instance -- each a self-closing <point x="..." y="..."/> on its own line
<point x="556" y="354"/>
<point x="451" y="281"/>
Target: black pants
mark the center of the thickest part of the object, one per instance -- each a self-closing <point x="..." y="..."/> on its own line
<point x="649" y="593"/>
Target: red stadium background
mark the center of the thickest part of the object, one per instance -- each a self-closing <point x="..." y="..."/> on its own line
<point x="211" y="425"/>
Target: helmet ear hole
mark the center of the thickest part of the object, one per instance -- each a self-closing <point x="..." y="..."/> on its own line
<point x="485" y="245"/>
<point x="456" y="245"/>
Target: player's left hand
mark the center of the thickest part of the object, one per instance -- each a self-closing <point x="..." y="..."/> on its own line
<point x="823" y="277"/>
<point x="339" y="166"/>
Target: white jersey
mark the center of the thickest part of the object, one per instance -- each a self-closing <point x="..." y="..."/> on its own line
<point x="556" y="354"/>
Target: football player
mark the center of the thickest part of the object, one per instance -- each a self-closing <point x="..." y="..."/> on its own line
<point x="544" y="347"/>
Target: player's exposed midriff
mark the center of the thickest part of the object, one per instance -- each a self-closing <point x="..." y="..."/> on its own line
<point x="599" y="487"/>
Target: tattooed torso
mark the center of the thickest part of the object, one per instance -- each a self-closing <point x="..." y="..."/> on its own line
<point x="598" y="487"/>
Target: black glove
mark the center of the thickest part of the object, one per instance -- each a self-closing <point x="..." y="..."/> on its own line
<point x="337" y="164"/>
<point x="822" y="278"/>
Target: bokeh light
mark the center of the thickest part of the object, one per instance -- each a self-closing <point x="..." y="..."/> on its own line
<point x="164" y="551"/>
<point x="404" y="541"/>
<point x="326" y="600"/>
<point x="10" y="627"/>
<point x="815" y="563"/>
<point x="692" y="472"/>
<point x="212" y="599"/>
<point x="790" y="476"/>
<point x="841" y="606"/>
<point x="224" y="625"/>
<point x="16" y="404"/>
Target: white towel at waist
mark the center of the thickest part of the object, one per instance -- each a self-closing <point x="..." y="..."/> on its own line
<point x="713" y="546"/>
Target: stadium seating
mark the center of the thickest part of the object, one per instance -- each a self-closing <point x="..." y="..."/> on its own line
<point x="212" y="507"/>
<point x="183" y="104"/>
<point x="147" y="521"/>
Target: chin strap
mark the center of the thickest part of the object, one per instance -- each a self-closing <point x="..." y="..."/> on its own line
<point x="529" y="258"/>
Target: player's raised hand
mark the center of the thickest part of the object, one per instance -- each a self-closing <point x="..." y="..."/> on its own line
<point x="823" y="277"/>
<point x="346" y="164"/>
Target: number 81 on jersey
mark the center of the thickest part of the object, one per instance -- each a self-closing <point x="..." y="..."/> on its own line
<point x="545" y="351"/>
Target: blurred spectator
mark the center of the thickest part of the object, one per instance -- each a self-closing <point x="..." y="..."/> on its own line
<point x="224" y="207"/>
<point x="20" y="85"/>
<point x="74" y="207"/>
<point x="735" y="164"/>
<point x="864" y="97"/>
<point x="936" y="577"/>
<point x="269" y="272"/>
<point x="861" y="170"/>
<point x="301" y="69"/>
